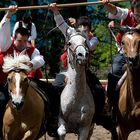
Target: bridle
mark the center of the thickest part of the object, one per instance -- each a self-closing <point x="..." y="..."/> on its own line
<point x="71" y="49"/>
<point x="18" y="70"/>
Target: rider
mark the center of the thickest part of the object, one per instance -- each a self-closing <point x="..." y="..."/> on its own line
<point x="83" y="24"/>
<point x="10" y="45"/>
<point x="26" y="22"/>
<point x="128" y="17"/>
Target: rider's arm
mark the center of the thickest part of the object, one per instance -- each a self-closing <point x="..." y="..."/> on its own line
<point x="60" y="22"/>
<point x="114" y="11"/>
<point x="5" y="33"/>
<point x="36" y="59"/>
<point x="121" y="14"/>
<point x="93" y="42"/>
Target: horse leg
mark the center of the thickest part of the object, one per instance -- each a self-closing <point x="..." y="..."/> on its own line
<point x="61" y="129"/>
<point x="84" y="133"/>
<point x="122" y="134"/>
<point x="90" y="132"/>
<point x="114" y="135"/>
<point x="31" y="134"/>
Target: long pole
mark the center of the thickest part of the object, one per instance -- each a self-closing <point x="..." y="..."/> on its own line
<point x="62" y="5"/>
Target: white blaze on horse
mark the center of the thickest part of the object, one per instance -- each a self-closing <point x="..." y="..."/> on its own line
<point x="25" y="110"/>
<point x="129" y="100"/>
<point x="77" y="106"/>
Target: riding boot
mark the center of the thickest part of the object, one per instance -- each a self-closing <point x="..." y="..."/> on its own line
<point x="113" y="95"/>
<point x="57" y="88"/>
<point x="3" y="101"/>
<point x="98" y="93"/>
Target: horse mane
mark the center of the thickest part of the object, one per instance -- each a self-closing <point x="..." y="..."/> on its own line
<point x="17" y="62"/>
<point x="78" y="32"/>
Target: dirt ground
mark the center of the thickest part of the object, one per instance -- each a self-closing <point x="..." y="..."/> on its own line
<point x="99" y="133"/>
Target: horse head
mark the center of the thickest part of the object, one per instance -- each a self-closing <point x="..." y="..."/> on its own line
<point x="77" y="48"/>
<point x="17" y="69"/>
<point x="131" y="46"/>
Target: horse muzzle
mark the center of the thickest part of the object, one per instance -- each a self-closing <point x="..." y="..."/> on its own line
<point x="17" y="105"/>
<point x="81" y="58"/>
<point x="134" y="61"/>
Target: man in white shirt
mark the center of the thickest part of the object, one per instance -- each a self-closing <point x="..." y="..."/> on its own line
<point x="127" y="17"/>
<point x="26" y="22"/>
<point x="9" y="45"/>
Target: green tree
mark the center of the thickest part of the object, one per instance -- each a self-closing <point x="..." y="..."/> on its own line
<point x="50" y="41"/>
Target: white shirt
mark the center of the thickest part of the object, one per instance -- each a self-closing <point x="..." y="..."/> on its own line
<point x="33" y="30"/>
<point x="5" y="42"/>
<point x="67" y="30"/>
<point x="121" y="14"/>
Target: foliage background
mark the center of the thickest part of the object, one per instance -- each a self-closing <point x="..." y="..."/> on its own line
<point x="50" y="40"/>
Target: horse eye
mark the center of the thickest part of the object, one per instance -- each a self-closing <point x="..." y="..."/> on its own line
<point x="122" y="43"/>
<point x="69" y="44"/>
<point x="25" y="79"/>
<point x="9" y="79"/>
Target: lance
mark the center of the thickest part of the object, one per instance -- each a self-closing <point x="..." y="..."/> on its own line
<point x="63" y="5"/>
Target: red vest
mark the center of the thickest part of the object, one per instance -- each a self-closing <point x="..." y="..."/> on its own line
<point x="129" y="21"/>
<point x="10" y="51"/>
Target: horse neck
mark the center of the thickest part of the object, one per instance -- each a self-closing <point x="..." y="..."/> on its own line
<point x="78" y="76"/>
<point x="133" y="80"/>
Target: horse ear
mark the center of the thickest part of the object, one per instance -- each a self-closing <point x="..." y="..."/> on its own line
<point x="138" y="27"/>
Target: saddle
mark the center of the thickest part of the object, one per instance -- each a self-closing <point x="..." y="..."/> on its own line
<point x="36" y="84"/>
<point x="39" y="86"/>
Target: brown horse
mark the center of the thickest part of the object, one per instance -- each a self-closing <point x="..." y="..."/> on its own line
<point x="25" y="110"/>
<point x="129" y="100"/>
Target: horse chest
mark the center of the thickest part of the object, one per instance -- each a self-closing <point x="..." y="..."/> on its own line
<point x="76" y="108"/>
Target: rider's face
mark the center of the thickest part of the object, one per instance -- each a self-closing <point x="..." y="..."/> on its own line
<point x="20" y="42"/>
<point x="137" y="14"/>
<point x="83" y="28"/>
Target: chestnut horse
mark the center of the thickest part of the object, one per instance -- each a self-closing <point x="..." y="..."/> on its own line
<point x="129" y="99"/>
<point x="77" y="106"/>
<point x="25" y="110"/>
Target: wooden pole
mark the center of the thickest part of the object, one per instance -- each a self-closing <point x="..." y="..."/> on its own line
<point x="63" y="5"/>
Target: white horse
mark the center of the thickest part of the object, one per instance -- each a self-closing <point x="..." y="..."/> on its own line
<point x="77" y="106"/>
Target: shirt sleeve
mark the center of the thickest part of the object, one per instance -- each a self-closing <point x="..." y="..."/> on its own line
<point x="33" y="32"/>
<point x="5" y="34"/>
<point x="15" y="27"/>
<point x="36" y="59"/>
<point x="93" y="42"/>
<point x="121" y="14"/>
<point x="63" y="26"/>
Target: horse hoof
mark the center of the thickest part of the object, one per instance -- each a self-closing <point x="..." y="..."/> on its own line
<point x="61" y="130"/>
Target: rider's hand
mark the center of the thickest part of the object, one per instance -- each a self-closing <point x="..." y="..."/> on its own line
<point x="105" y="2"/>
<point x="53" y="8"/>
<point x="72" y="21"/>
<point x="12" y="10"/>
<point x="111" y="24"/>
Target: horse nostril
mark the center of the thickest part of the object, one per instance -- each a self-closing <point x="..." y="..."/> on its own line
<point x="87" y="54"/>
<point x="17" y="105"/>
<point x="80" y="54"/>
<point x="131" y="59"/>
